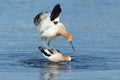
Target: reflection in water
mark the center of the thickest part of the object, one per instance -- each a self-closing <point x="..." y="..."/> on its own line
<point x="52" y="70"/>
<point x="82" y="62"/>
<point x="49" y="70"/>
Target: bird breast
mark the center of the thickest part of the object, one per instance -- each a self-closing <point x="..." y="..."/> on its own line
<point x="51" y="32"/>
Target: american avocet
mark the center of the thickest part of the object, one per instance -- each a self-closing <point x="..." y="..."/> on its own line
<point x="54" y="55"/>
<point x="49" y="26"/>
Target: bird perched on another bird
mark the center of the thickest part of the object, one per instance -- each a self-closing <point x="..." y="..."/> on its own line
<point x="49" y="25"/>
<point x="54" y="55"/>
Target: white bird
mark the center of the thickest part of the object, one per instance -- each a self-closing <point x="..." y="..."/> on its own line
<point x="50" y="27"/>
<point x="54" y="55"/>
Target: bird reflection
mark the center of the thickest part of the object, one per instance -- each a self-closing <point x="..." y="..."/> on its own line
<point x="52" y="70"/>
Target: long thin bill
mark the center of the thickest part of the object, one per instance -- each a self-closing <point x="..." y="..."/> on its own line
<point x="72" y="45"/>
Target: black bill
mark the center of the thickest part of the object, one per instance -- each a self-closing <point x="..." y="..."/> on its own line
<point x="72" y="45"/>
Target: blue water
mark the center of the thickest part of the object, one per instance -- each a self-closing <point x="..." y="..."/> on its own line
<point x="95" y="26"/>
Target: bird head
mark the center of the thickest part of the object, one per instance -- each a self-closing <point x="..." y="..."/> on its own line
<point x="67" y="58"/>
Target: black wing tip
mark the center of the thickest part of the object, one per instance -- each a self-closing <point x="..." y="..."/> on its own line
<point x="55" y="12"/>
<point x="57" y="5"/>
<point x="37" y="18"/>
<point x="41" y="49"/>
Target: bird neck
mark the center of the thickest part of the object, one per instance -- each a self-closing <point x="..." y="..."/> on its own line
<point x="62" y="31"/>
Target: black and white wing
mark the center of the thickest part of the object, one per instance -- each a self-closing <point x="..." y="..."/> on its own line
<point x="55" y="13"/>
<point x="37" y="18"/>
<point x="42" y="21"/>
<point x="46" y="52"/>
<point x="51" y="54"/>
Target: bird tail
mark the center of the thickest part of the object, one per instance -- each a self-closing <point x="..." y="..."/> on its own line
<point x="44" y="52"/>
<point x="41" y="49"/>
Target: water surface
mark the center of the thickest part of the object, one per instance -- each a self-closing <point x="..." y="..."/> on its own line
<point x="95" y="28"/>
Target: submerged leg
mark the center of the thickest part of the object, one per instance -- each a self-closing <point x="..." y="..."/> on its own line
<point x="51" y="47"/>
<point x="43" y="41"/>
<point x="48" y="43"/>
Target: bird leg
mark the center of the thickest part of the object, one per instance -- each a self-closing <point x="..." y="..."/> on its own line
<point x="48" y="43"/>
<point x="43" y="41"/>
<point x="40" y="39"/>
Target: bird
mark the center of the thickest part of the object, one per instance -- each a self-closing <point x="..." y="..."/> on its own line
<point x="54" y="55"/>
<point x="49" y="26"/>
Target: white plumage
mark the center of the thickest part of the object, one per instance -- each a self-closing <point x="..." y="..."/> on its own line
<point x="50" y="27"/>
<point x="54" y="55"/>
<point x="46" y="23"/>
